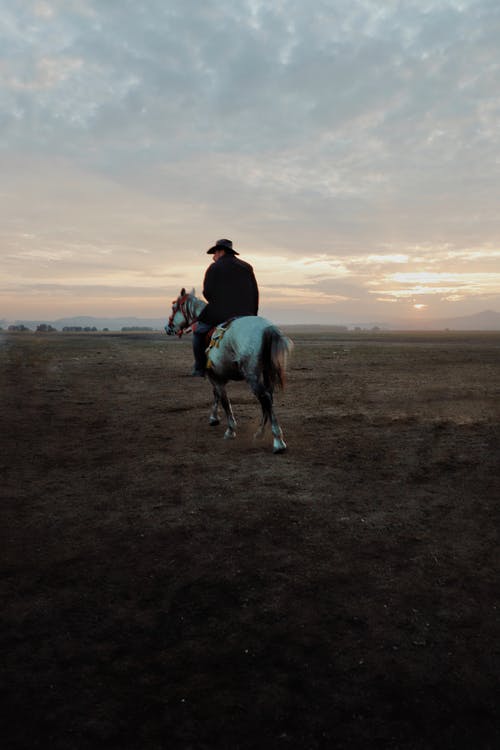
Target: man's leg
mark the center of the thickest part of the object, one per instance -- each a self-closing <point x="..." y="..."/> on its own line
<point x="199" y="346"/>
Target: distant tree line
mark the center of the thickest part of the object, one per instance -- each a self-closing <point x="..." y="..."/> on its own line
<point x="79" y="329"/>
<point x="47" y="328"/>
<point x="128" y="329"/>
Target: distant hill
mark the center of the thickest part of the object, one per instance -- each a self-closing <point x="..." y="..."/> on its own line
<point x="87" y="321"/>
<point x="488" y="320"/>
<point x="114" y="324"/>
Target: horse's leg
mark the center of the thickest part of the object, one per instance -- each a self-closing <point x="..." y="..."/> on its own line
<point x="214" y="416"/>
<point x="266" y="401"/>
<point x="258" y="390"/>
<point x="279" y="444"/>
<point x="226" y="405"/>
<point x="266" y="413"/>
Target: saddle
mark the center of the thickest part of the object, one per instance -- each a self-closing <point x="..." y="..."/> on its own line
<point x="214" y="337"/>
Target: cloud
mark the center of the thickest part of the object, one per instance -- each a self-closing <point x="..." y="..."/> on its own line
<point x="359" y="132"/>
<point x="450" y="286"/>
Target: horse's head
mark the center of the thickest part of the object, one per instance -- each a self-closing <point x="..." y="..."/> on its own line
<point x="181" y="315"/>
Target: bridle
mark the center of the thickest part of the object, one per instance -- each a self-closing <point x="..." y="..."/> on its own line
<point x="181" y="304"/>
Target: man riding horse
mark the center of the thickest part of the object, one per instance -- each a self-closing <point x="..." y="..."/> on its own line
<point x="231" y="291"/>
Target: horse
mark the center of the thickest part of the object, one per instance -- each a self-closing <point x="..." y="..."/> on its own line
<point x="247" y="348"/>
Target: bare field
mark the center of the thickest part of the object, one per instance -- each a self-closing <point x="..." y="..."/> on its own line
<point x="164" y="588"/>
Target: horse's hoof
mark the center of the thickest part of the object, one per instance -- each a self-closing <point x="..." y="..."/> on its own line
<point x="229" y="435"/>
<point x="213" y="421"/>
<point x="279" y="446"/>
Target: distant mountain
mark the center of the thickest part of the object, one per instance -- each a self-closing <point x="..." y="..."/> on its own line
<point x="488" y="320"/>
<point x="114" y="324"/>
<point x="88" y="321"/>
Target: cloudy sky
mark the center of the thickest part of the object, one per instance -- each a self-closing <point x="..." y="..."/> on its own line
<point x="349" y="148"/>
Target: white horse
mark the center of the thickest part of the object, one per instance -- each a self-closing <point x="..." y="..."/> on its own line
<point x="249" y="348"/>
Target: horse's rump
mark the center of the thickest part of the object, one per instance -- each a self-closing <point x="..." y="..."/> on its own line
<point x="257" y="346"/>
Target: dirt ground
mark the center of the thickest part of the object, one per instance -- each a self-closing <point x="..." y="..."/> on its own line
<point x="164" y="588"/>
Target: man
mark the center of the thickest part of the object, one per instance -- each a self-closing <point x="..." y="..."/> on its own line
<point x="231" y="291"/>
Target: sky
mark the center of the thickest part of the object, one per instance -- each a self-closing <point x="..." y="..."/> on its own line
<point x="349" y="148"/>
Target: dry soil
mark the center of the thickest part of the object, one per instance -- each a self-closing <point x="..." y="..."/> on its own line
<point x="164" y="588"/>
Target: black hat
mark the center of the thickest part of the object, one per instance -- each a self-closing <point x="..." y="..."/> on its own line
<point x="226" y="245"/>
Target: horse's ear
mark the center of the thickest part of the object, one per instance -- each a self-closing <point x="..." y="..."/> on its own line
<point x="183" y="292"/>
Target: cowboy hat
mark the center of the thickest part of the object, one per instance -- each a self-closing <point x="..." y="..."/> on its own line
<point x="226" y="245"/>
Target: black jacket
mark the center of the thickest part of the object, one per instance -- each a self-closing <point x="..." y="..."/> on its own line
<point x="230" y="289"/>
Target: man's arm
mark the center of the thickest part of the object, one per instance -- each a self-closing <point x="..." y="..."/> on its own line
<point x="208" y="284"/>
<point x="256" y="294"/>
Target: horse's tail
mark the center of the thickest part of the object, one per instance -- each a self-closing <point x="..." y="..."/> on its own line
<point x="275" y="351"/>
